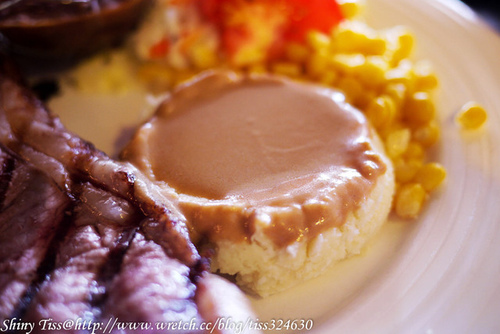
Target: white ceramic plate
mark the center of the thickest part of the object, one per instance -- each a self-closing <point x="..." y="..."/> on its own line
<point x="440" y="274"/>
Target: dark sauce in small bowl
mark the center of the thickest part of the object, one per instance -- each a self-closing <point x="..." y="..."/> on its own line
<point x="67" y="29"/>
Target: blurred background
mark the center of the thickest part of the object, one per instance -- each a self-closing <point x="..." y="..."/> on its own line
<point x="488" y="9"/>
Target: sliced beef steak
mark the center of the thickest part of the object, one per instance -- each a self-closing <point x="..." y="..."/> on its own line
<point x="101" y="227"/>
<point x="85" y="237"/>
<point x="27" y="128"/>
<point x="160" y="295"/>
<point x="31" y="209"/>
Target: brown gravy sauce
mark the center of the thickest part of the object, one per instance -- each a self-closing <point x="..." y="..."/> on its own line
<point x="239" y="152"/>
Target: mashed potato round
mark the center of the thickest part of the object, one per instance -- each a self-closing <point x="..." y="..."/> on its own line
<point x="262" y="268"/>
<point x="279" y="178"/>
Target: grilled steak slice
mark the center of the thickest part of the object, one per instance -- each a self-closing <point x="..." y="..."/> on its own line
<point x="29" y="129"/>
<point x="151" y="297"/>
<point x="31" y="209"/>
<point x="87" y="258"/>
<point x="91" y="269"/>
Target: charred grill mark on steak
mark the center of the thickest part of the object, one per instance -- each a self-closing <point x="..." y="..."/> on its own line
<point x="7" y="165"/>
<point x="99" y="291"/>
<point x="45" y="268"/>
<point x="87" y="259"/>
<point x="136" y="285"/>
<point x="87" y="209"/>
<point x="31" y="213"/>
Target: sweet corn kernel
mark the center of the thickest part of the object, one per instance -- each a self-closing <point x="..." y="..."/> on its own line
<point x="364" y="99"/>
<point x="372" y="71"/>
<point x="317" y="64"/>
<point x="374" y="46"/>
<point x="406" y="170"/>
<point x="409" y="200"/>
<point x="350" y="35"/>
<point x="404" y="50"/>
<point x="397" y="92"/>
<point x="397" y="142"/>
<point x="430" y="176"/>
<point x="414" y="151"/>
<point x="419" y="108"/>
<point x="329" y="77"/>
<point x="425" y="77"/>
<point x="202" y="56"/>
<point x="317" y="40"/>
<point x="403" y="73"/>
<point x="177" y="60"/>
<point x="380" y="111"/>
<point x="403" y="42"/>
<point x="258" y="68"/>
<point x="296" y="52"/>
<point x="350" y="8"/>
<point x="248" y="57"/>
<point x="287" y="68"/>
<point x="471" y="116"/>
<point x="351" y="88"/>
<point x="347" y="63"/>
<point x="357" y="37"/>
<point x="428" y="134"/>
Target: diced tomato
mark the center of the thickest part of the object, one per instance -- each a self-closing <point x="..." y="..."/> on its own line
<point x="160" y="49"/>
<point x="211" y="9"/>
<point x="308" y="15"/>
<point x="266" y="25"/>
<point x="235" y="39"/>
